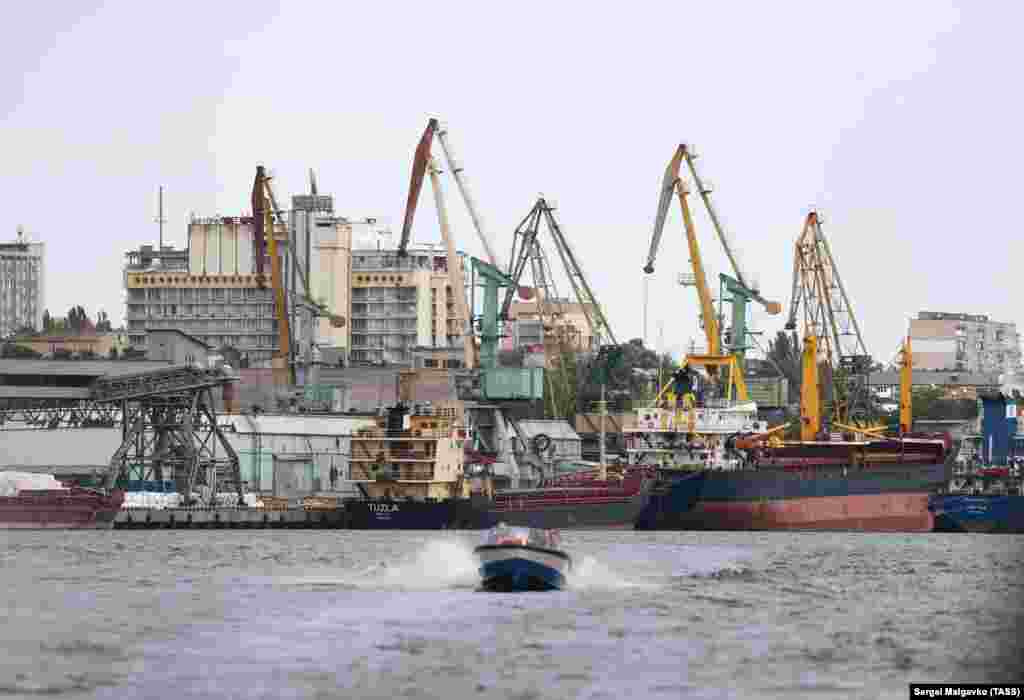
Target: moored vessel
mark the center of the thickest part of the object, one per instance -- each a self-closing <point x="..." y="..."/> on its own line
<point x="522" y="559"/>
<point x="714" y="479"/>
<point x="981" y="499"/>
<point x="598" y="498"/>
<point x="409" y="469"/>
<point x="60" y="509"/>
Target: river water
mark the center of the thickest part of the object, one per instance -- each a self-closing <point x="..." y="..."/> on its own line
<point x="327" y="614"/>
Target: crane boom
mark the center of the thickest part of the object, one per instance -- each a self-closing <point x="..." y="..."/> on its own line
<point x="456" y="169"/>
<point x="673" y="182"/>
<point x="668" y="184"/>
<point x="264" y="224"/>
<point x="455" y="279"/>
<point x="772" y="307"/>
<point x="419" y="169"/>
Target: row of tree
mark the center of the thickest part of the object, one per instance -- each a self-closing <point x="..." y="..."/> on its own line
<point x="75" y="322"/>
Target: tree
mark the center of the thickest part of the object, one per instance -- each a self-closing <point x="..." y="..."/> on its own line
<point x="47" y="321"/>
<point x="627" y="374"/>
<point x="12" y="351"/>
<point x="785" y="353"/>
<point x="112" y="354"/>
<point x="78" y="321"/>
<point x="103" y="322"/>
<point x="930" y="403"/>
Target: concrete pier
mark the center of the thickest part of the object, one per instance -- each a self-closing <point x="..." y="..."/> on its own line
<point x="228" y="518"/>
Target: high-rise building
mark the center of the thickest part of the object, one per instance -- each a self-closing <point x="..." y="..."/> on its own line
<point x="401" y="303"/>
<point x="964" y="343"/>
<point x="21" y="285"/>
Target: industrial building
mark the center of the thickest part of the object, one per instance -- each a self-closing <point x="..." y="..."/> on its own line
<point x="322" y="245"/>
<point x="209" y="291"/>
<point x="964" y="343"/>
<point x="21" y="285"/>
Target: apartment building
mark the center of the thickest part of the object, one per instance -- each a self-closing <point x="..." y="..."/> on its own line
<point x="401" y="303"/>
<point x="21" y="284"/>
<point x="570" y="321"/>
<point x="964" y="343"/>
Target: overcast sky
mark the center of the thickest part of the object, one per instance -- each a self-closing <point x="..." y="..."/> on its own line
<point x="900" y="120"/>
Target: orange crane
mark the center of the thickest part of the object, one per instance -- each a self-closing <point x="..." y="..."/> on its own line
<point x="424" y="163"/>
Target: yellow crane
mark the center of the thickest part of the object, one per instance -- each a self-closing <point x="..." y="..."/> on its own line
<point x="820" y="297"/>
<point x="906" y="385"/>
<point x="741" y="288"/>
<point x="671" y="184"/>
<point x="265" y="234"/>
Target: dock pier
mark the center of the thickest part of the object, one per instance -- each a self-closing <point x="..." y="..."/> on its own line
<point x="229" y="519"/>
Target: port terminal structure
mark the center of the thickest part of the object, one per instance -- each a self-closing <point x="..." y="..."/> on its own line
<point x="167" y="418"/>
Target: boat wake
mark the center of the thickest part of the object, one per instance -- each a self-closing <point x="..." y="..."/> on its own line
<point x="440" y="564"/>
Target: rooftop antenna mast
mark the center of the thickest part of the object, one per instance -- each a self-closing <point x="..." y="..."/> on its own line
<point x="160" y="215"/>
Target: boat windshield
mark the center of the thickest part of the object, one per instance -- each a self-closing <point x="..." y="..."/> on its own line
<point x="504" y="534"/>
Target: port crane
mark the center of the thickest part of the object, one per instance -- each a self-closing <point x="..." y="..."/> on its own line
<point x="738" y="290"/>
<point x="821" y="300"/>
<point x="270" y="231"/>
<point x="527" y="252"/>
<point x="423" y="164"/>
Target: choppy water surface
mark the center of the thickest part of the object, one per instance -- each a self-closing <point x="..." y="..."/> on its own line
<point x="388" y="615"/>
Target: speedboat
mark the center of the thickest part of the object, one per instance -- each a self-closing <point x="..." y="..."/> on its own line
<point x="522" y="559"/>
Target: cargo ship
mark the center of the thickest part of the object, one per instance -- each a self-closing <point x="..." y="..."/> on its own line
<point x="60" y="509"/>
<point x="874" y="485"/>
<point x="720" y="469"/>
<point x="409" y="469"/>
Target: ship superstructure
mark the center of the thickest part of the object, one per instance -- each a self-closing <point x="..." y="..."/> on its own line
<point x="414" y="452"/>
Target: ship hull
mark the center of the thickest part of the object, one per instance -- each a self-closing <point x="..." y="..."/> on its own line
<point x="894" y="512"/>
<point x="889" y="499"/>
<point x="994" y="514"/>
<point x="576" y="516"/>
<point x="59" y="510"/>
<point x="401" y="515"/>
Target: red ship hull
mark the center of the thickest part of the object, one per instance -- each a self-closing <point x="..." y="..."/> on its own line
<point x="885" y="512"/>
<point x="72" y="509"/>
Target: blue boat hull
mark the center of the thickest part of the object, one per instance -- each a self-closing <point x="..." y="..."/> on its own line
<point x="522" y="568"/>
<point x="509" y="575"/>
<point x="953" y="513"/>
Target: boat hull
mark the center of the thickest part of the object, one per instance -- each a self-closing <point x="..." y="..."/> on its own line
<point x="961" y="513"/>
<point x="883" y="500"/>
<point x="509" y="568"/>
<point x="59" y="510"/>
